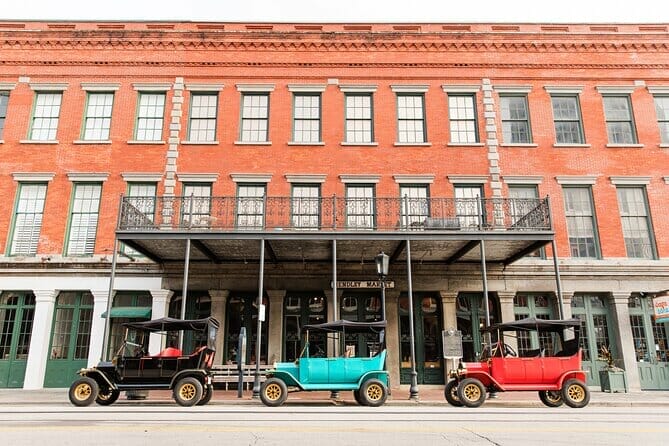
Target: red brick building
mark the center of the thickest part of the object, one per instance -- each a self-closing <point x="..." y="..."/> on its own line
<point x="277" y="160"/>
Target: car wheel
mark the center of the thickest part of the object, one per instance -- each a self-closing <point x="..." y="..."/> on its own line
<point x="575" y="393"/>
<point x="107" y="396"/>
<point x="356" y="395"/>
<point x="83" y="391"/>
<point x="451" y="393"/>
<point x="551" y="398"/>
<point x="471" y="392"/>
<point x="273" y="392"/>
<point x="373" y="393"/>
<point x="207" y="393"/>
<point x="188" y="391"/>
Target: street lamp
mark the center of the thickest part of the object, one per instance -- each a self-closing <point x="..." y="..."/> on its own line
<point x="382" y="263"/>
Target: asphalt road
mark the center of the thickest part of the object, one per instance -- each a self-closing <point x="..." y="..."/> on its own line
<point x="167" y="424"/>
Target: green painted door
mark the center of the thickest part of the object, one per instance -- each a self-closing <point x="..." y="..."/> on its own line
<point x="470" y="312"/>
<point x="242" y="311"/>
<point x="593" y="311"/>
<point x="70" y="338"/>
<point x="17" y="310"/>
<point x="361" y="306"/>
<point x="651" y="345"/>
<point x="427" y="339"/>
<point x="534" y="305"/>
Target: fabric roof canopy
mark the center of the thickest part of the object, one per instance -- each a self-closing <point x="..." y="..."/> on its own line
<point x="348" y="326"/>
<point x="534" y="324"/>
<point x="129" y="312"/>
<point x="171" y="324"/>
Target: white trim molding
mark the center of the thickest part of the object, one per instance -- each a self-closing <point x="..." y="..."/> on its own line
<point x="523" y="179"/>
<point x="467" y="179"/>
<point x="616" y="89"/>
<point x="576" y="179"/>
<point x="25" y="177"/>
<point x="359" y="178"/>
<point x="141" y="177"/>
<point x="658" y="89"/>
<point x="352" y="88"/>
<point x="255" y="88"/>
<point x="102" y="87"/>
<point x="197" y="177"/>
<point x="414" y="179"/>
<point x="629" y="181"/>
<point x="204" y="87"/>
<point x="4" y="86"/>
<point x="305" y="178"/>
<point x="251" y="177"/>
<point x="460" y="88"/>
<point x="666" y="179"/>
<point x="145" y="86"/>
<point x="307" y="88"/>
<point x="563" y="89"/>
<point x="35" y="86"/>
<point x="521" y="89"/>
<point x="409" y="88"/>
<point x="86" y="176"/>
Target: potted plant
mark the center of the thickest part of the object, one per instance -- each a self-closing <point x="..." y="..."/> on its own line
<point x="611" y="378"/>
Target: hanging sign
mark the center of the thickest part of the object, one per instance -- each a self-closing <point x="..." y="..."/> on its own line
<point x="363" y="284"/>
<point x="661" y="307"/>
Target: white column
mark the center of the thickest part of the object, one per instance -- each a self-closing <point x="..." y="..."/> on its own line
<point x="218" y="300"/>
<point x="45" y="301"/>
<point x="97" y="326"/>
<point x="159" y="307"/>
<point x="274" y="319"/>
<point x="625" y="340"/>
<point x="393" y="336"/>
<point x="449" y="317"/>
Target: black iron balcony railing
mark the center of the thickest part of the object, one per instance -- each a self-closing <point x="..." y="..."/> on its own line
<point x="332" y="214"/>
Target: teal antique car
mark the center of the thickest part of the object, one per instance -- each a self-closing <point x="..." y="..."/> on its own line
<point x="365" y="376"/>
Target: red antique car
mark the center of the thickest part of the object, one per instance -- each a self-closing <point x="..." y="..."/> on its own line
<point x="556" y="375"/>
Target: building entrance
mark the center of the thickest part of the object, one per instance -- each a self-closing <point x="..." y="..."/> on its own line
<point x="651" y="345"/>
<point x="17" y="310"/>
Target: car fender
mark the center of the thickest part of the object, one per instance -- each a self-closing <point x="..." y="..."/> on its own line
<point x="98" y="376"/>
<point x="486" y="378"/>
<point x="577" y="374"/>
<point x="284" y="376"/>
<point x="381" y="375"/>
<point x="200" y="374"/>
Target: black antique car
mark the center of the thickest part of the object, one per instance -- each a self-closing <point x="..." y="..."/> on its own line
<point x="188" y="375"/>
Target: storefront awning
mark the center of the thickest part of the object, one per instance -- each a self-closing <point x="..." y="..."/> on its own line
<point x="130" y="312"/>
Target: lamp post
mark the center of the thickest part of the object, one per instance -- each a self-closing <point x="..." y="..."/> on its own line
<point x="382" y="263"/>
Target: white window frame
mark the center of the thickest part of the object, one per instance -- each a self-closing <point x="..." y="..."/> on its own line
<point x="98" y="116"/>
<point x="85" y="209"/>
<point x="28" y="217"/>
<point x="150" y="111"/>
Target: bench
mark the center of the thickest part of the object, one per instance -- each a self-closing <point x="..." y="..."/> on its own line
<point x="227" y="374"/>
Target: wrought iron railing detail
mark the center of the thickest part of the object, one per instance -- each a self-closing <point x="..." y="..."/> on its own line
<point x="333" y="214"/>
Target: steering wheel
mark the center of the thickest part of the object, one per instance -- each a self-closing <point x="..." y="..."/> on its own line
<point x="509" y="351"/>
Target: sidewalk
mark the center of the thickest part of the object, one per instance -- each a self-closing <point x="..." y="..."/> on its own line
<point x="427" y="395"/>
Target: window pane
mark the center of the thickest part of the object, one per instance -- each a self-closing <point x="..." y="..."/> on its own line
<point x="414" y="205"/>
<point x="45" y="116"/>
<point x="84" y="219"/>
<point x="360" y="210"/>
<point x="28" y="219"/>
<point x="515" y="120"/>
<point x="411" y="124"/>
<point x="4" y="98"/>
<point x="306" y="125"/>
<point x="566" y="115"/>
<point x="251" y="206"/>
<point x="635" y="222"/>
<point x="305" y="206"/>
<point x="661" y="108"/>
<point x="150" y="114"/>
<point x="580" y="221"/>
<point x="618" y="113"/>
<point x="202" y="124"/>
<point x="359" y="118"/>
<point x="98" y="116"/>
<point x="462" y="117"/>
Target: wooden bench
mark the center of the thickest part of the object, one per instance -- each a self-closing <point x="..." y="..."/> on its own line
<point x="227" y="374"/>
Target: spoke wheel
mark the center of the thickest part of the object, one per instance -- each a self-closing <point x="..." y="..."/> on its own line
<point x="83" y="391"/>
<point x="471" y="392"/>
<point x="373" y="392"/>
<point x="451" y="393"/>
<point x="107" y="396"/>
<point x="188" y="391"/>
<point x="273" y="392"/>
<point x="575" y="394"/>
<point x="551" y="398"/>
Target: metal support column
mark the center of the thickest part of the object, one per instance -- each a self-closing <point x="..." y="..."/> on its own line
<point x="110" y="298"/>
<point x="335" y="394"/>
<point x="558" y="282"/>
<point x="184" y="291"/>
<point x="261" y="316"/>
<point x="413" y="389"/>
<point x="486" y="304"/>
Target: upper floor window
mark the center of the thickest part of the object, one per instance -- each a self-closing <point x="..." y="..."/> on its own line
<point x="468" y="206"/>
<point x="411" y="118"/>
<point x="196" y="207"/>
<point x="142" y="197"/>
<point x="635" y="221"/>
<point x="307" y="118"/>
<point x="662" y="110"/>
<point x="4" y="99"/>
<point x="515" y="119"/>
<point x="97" y="119"/>
<point x="251" y="206"/>
<point x="359" y="118"/>
<point x="462" y="118"/>
<point x="567" y="119"/>
<point x="305" y="206"/>
<point x="360" y="211"/>
<point x="619" y="121"/>
<point x="414" y="204"/>
<point x="45" y="116"/>
<point x="581" y="224"/>
<point x="255" y="117"/>
<point x="150" y="116"/>
<point x="28" y="219"/>
<point x="202" y="123"/>
<point x="524" y="199"/>
<point x="84" y="219"/>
